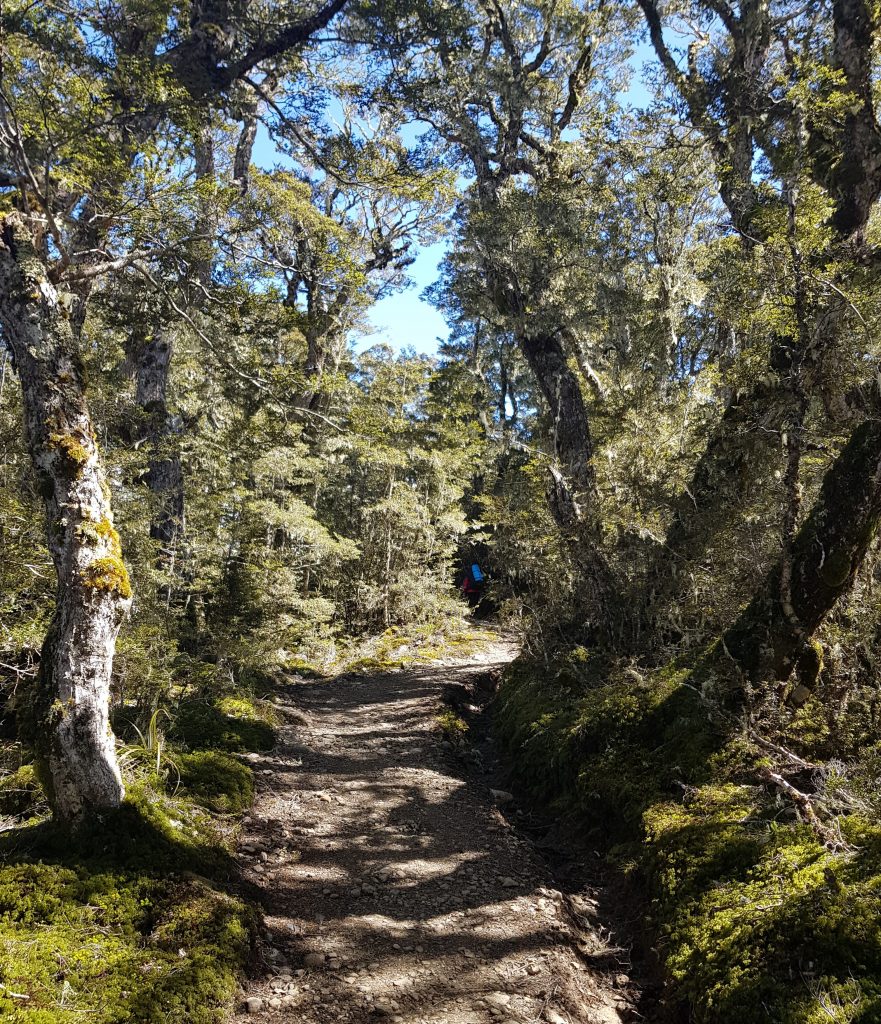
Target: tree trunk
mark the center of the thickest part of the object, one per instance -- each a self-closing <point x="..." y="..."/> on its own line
<point x="164" y="475"/>
<point x="571" y="428"/>
<point x="771" y="637"/>
<point x="69" y="712"/>
<point x="572" y="493"/>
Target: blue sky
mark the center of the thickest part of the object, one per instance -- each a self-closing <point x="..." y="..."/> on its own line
<point x="405" y="319"/>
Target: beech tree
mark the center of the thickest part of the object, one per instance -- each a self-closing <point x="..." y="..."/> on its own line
<point x="76" y="111"/>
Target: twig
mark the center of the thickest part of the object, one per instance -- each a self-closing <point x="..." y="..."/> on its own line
<point x="13" y="995"/>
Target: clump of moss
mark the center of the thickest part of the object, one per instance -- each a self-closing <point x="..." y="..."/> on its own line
<point x="20" y="791"/>
<point x="234" y="724"/>
<point x="452" y="726"/>
<point x="73" y="452"/>
<point x="105" y="531"/>
<point x="216" y="780"/>
<point x="109" y="575"/>
<point x="755" y="917"/>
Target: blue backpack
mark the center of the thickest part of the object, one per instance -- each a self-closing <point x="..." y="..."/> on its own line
<point x="476" y="573"/>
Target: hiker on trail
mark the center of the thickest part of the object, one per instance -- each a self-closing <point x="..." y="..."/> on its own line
<point x="472" y="584"/>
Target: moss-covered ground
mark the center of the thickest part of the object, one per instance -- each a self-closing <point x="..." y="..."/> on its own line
<point x="757" y="913"/>
<point x="131" y="921"/>
<point x="395" y="648"/>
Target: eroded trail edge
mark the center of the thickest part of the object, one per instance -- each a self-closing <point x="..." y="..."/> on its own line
<point x="393" y="885"/>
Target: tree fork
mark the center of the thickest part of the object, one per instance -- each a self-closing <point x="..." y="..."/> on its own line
<point x="69" y="710"/>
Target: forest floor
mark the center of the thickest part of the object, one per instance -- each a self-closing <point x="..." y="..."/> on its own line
<point x="396" y="883"/>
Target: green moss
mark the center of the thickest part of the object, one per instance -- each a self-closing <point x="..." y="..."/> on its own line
<point x="452" y="726"/>
<point x="810" y="664"/>
<point x="73" y="452"/>
<point x="108" y="574"/>
<point x="108" y="929"/>
<point x="20" y="791"/>
<point x="232" y="724"/>
<point x="754" y="917"/>
<point x="105" y="531"/>
<point x="836" y="568"/>
<point x="216" y="780"/>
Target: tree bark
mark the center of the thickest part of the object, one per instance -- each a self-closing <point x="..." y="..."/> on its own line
<point x="164" y="475"/>
<point x="572" y="494"/>
<point x="69" y="713"/>
<point x="848" y="165"/>
<point x="573" y="445"/>
<point x="771" y="636"/>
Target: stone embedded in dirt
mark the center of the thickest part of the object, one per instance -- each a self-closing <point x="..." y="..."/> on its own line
<point x="605" y="1015"/>
<point x="533" y="968"/>
<point x="314" y="959"/>
<point x="253" y="1005"/>
<point x="501" y="797"/>
<point x="507" y="882"/>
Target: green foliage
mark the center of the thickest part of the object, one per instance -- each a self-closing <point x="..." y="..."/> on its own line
<point x="20" y="792"/>
<point x="452" y="726"/>
<point x="150" y="747"/>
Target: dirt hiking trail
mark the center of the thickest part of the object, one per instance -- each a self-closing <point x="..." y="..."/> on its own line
<point x="394" y="887"/>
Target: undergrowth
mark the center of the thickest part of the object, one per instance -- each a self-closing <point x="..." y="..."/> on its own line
<point x="129" y="923"/>
<point x="758" y="914"/>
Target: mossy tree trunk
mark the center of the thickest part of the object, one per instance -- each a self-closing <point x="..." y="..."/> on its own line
<point x="69" y="713"/>
<point x="772" y="636"/>
<point x="572" y="494"/>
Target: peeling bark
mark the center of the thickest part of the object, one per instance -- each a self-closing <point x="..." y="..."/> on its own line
<point x="69" y="710"/>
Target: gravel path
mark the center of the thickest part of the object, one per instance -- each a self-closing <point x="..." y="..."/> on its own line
<point x="394" y="887"/>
